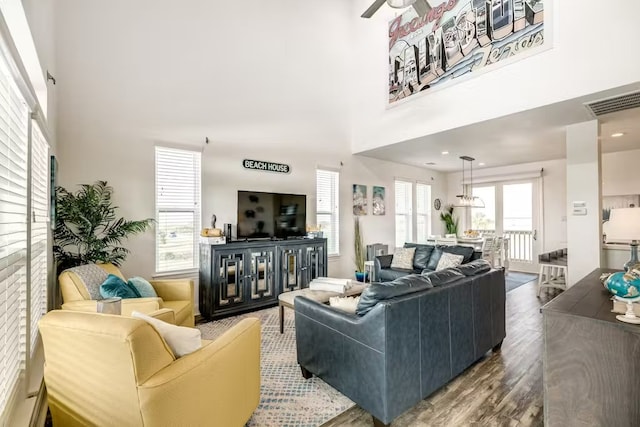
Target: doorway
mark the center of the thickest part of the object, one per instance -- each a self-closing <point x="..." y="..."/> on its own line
<point x="511" y="210"/>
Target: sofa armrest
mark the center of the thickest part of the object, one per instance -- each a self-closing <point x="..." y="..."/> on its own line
<point x="368" y="329"/>
<point x="174" y="289"/>
<point x="199" y="384"/>
<point x="164" y="314"/>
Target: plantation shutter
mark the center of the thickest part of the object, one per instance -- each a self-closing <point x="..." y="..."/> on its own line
<point x="39" y="232"/>
<point x="404" y="200"/>
<point x="177" y="209"/>
<point x="327" y="208"/>
<point x="13" y="233"/>
<point x="423" y="212"/>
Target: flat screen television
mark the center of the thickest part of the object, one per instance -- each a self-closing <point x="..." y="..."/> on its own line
<point x="271" y="215"/>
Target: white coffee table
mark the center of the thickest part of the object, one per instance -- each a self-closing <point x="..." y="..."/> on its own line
<point x="287" y="299"/>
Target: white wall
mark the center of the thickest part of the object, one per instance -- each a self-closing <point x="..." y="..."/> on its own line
<point x="582" y="33"/>
<point x="620" y="173"/>
<point x="265" y="80"/>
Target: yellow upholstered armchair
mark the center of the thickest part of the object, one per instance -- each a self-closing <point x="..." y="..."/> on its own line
<point x="80" y="292"/>
<point x="106" y="370"/>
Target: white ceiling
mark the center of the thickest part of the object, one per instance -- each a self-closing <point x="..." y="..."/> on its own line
<point x="529" y="136"/>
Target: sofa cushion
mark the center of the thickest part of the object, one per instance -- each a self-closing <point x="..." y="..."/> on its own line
<point x="448" y="260"/>
<point x="443" y="277"/>
<point x="422" y="255"/>
<point x="474" y="267"/>
<point x="434" y="258"/>
<point x="181" y="340"/>
<point x="346" y="304"/>
<point x="465" y="251"/>
<point x="403" y="258"/>
<point x="377" y="292"/>
<point x="388" y="275"/>
<point x="143" y="287"/>
<point x="116" y="287"/>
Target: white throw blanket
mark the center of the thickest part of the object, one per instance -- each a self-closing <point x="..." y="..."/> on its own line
<point x="330" y="284"/>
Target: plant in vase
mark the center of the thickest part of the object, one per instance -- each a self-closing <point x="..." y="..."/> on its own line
<point x="450" y="223"/>
<point x="360" y="250"/>
<point x="87" y="229"/>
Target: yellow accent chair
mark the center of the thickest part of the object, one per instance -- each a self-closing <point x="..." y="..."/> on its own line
<point x="106" y="370"/>
<point x="173" y="295"/>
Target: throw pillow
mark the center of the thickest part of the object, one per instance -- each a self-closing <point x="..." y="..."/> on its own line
<point x="346" y="304"/>
<point x="403" y="258"/>
<point x="448" y="260"/>
<point x="91" y="276"/>
<point x="180" y="339"/>
<point x="143" y="287"/>
<point x="116" y="287"/>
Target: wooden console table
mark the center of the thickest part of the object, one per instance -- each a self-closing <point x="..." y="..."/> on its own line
<point x="591" y="361"/>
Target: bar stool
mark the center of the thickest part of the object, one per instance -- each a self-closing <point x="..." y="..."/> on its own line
<point x="553" y="270"/>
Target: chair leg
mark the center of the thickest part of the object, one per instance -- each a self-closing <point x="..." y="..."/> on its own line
<point x="305" y="374"/>
<point x="541" y="279"/>
<point x="378" y="423"/>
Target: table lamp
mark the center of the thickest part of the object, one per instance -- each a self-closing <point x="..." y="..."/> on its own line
<point x="623" y="227"/>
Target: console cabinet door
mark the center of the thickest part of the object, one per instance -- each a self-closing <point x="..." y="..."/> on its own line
<point x="315" y="261"/>
<point x="292" y="268"/>
<point x="231" y="276"/>
<point x="262" y="273"/>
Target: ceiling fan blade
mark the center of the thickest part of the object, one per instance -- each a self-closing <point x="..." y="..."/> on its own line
<point x="373" y="8"/>
<point x="422" y="7"/>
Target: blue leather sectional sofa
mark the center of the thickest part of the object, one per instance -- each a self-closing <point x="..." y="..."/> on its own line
<point x="408" y="338"/>
<point x="425" y="260"/>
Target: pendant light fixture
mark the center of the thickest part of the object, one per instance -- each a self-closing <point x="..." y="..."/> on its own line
<point x="466" y="200"/>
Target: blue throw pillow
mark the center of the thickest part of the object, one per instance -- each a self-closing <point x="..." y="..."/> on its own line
<point x="116" y="287"/>
<point x="143" y="287"/>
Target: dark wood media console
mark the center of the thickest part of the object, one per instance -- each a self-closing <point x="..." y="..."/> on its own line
<point x="249" y="275"/>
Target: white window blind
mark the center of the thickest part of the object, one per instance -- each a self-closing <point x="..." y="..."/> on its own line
<point x="39" y="233"/>
<point x="423" y="212"/>
<point x="404" y="210"/>
<point x="177" y="209"/>
<point x="328" y="209"/>
<point x="13" y="234"/>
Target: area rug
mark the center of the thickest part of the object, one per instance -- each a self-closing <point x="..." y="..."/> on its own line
<point x="286" y="399"/>
<point x="515" y="279"/>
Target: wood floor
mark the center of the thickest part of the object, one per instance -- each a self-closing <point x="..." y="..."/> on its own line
<point x="503" y="389"/>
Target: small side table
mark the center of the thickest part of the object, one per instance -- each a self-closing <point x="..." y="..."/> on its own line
<point x="369" y="271"/>
<point x="110" y="306"/>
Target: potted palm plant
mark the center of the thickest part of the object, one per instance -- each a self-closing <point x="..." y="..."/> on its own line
<point x="360" y="251"/>
<point x="87" y="229"/>
<point x="450" y="223"/>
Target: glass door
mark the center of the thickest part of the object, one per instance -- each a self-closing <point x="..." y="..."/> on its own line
<point x="519" y="223"/>
<point x="511" y="211"/>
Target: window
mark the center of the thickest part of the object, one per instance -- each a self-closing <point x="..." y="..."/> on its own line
<point x="177" y="209"/>
<point x="24" y="208"/>
<point x="484" y="219"/>
<point x="423" y="212"/>
<point x="39" y="229"/>
<point x="404" y="209"/>
<point x="327" y="208"/>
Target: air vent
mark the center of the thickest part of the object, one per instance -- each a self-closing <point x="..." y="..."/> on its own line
<point x="430" y="163"/>
<point x="613" y="105"/>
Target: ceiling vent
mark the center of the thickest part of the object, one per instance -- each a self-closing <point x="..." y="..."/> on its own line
<point x="613" y="105"/>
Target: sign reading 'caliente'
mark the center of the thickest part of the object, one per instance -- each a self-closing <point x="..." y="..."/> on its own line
<point x="265" y="166"/>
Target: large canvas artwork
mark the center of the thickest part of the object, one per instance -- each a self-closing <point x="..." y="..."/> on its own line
<point x="458" y="37"/>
